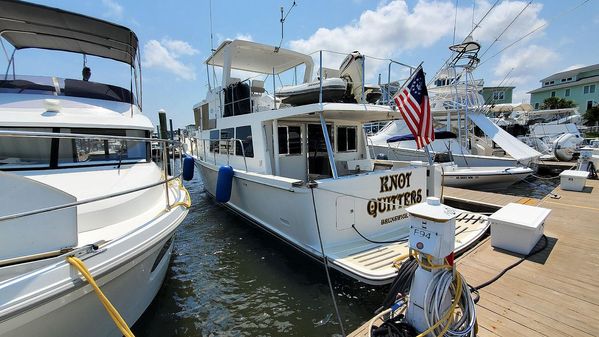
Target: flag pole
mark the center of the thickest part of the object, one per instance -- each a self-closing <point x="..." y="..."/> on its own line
<point x="407" y="81"/>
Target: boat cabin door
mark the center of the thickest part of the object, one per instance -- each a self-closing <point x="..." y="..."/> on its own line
<point x="318" y="160"/>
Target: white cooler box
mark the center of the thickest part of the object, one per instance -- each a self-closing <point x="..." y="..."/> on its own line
<point x="517" y="228"/>
<point x="571" y="180"/>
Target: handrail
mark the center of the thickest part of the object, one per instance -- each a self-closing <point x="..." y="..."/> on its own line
<point x="228" y="152"/>
<point x="166" y="180"/>
<point x="36" y="134"/>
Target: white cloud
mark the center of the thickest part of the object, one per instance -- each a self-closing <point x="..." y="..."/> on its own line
<point x="247" y="37"/>
<point x="526" y="64"/>
<point x="114" y="9"/>
<point x="500" y="18"/>
<point x="166" y="56"/>
<point x="178" y="47"/>
<point x="382" y="32"/>
<point x="572" y="67"/>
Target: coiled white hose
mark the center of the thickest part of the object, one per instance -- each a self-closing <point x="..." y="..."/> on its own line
<point x="439" y="293"/>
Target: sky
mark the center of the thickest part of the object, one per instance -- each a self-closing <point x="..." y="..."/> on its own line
<point x="175" y="40"/>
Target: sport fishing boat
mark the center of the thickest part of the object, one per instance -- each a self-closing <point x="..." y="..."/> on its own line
<point x="304" y="173"/>
<point x="82" y="201"/>
<point x="454" y="175"/>
<point x="457" y="108"/>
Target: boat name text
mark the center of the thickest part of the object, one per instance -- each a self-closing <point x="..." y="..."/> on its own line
<point x="393" y="202"/>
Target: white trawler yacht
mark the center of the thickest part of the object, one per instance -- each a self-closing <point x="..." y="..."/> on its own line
<point x="323" y="195"/>
<point x="79" y="189"/>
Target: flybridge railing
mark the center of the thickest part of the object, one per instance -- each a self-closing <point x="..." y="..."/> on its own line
<point x="165" y="144"/>
<point x="355" y="68"/>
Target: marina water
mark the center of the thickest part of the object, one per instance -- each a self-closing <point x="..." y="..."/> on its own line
<point x="229" y="278"/>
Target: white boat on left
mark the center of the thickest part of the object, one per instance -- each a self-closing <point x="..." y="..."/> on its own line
<point x="77" y="181"/>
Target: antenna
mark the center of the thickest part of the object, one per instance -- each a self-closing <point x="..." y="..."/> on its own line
<point x="283" y="18"/>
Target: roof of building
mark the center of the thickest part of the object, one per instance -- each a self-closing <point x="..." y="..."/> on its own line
<point x="570" y="73"/>
<point x="27" y="25"/>
<point x="586" y="80"/>
<point x="493" y="88"/>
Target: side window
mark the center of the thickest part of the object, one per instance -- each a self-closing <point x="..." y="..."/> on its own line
<point x="226" y="145"/>
<point x="346" y="138"/>
<point x="25" y="152"/>
<point x="91" y="151"/>
<point x="283" y="140"/>
<point x="214" y="136"/>
<point x="290" y="140"/>
<point x="244" y="133"/>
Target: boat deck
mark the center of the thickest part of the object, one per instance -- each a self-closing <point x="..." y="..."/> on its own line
<point x="374" y="263"/>
<point x="554" y="293"/>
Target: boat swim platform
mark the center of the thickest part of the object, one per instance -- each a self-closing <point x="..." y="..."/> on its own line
<point x="555" y="292"/>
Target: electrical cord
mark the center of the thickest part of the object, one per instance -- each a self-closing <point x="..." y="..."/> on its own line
<point x="508" y="268"/>
<point x="373" y="241"/>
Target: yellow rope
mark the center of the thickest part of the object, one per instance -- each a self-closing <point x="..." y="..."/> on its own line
<point x="187" y="201"/>
<point x="114" y="314"/>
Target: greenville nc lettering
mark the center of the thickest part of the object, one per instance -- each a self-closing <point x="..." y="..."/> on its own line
<point x="392" y="202"/>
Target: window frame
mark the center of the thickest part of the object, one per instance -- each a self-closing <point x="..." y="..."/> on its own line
<point x="288" y="140"/>
<point x="54" y="150"/>
<point x="338" y="138"/>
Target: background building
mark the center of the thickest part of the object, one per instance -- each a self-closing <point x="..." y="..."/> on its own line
<point x="497" y="95"/>
<point x="579" y="85"/>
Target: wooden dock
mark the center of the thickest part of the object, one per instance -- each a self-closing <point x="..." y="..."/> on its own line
<point x="554" y="293"/>
<point x="555" y="166"/>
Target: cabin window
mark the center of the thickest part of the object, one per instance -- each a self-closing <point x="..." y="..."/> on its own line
<point x="536" y="105"/>
<point x="346" y="138"/>
<point x="567" y="93"/>
<point x="225" y="144"/>
<point x="24" y="153"/>
<point x="83" y="151"/>
<point x="244" y="134"/>
<point x="214" y="136"/>
<point x="290" y="140"/>
<point x="498" y="95"/>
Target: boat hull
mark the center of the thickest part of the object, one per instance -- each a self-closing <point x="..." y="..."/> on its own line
<point x="485" y="180"/>
<point x="129" y="271"/>
<point x="460" y="159"/>
<point x="290" y="215"/>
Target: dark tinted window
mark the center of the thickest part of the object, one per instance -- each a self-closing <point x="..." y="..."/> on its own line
<point x="283" y="148"/>
<point x="295" y="140"/>
<point x="316" y="142"/>
<point x="214" y="135"/>
<point x="346" y="138"/>
<point x="244" y="133"/>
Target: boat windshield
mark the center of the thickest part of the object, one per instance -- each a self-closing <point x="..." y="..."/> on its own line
<point x="43" y="85"/>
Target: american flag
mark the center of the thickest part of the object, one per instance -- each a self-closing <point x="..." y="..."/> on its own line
<point x="415" y="109"/>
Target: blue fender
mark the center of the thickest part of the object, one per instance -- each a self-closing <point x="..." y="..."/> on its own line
<point x="224" y="183"/>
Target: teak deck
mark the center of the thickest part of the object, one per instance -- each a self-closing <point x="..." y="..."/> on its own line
<point x="556" y="292"/>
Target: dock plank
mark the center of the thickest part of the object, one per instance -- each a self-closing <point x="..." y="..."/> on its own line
<point x="555" y="293"/>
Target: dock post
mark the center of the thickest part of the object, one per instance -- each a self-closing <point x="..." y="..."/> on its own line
<point x="164" y="135"/>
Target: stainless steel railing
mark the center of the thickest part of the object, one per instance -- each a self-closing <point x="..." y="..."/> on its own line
<point x="227" y="141"/>
<point x="165" y="144"/>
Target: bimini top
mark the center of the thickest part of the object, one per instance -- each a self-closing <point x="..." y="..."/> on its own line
<point x="438" y="135"/>
<point x="27" y="25"/>
<point x="259" y="58"/>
